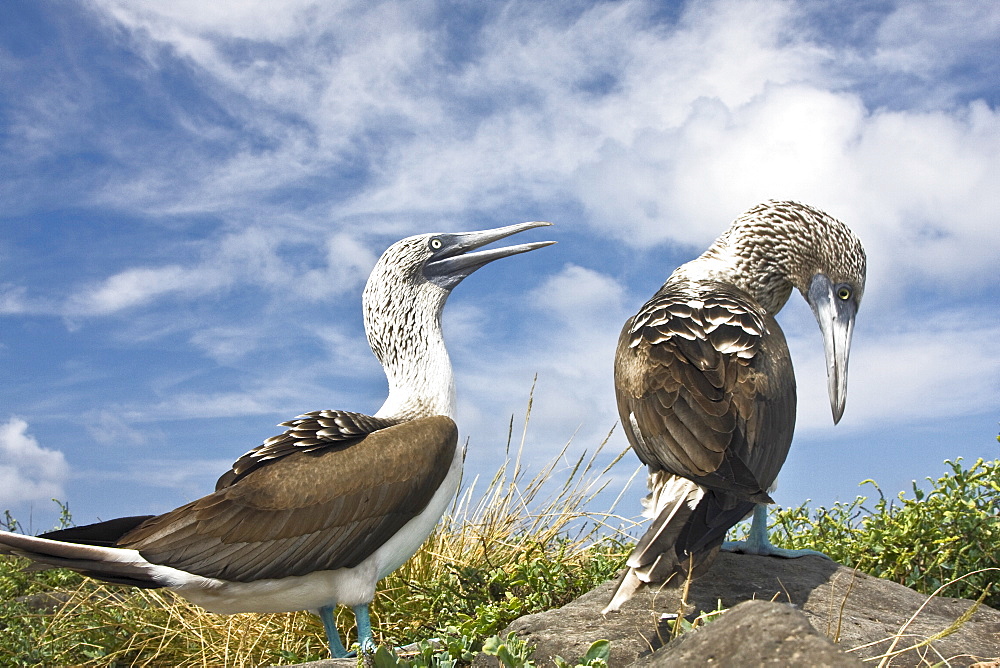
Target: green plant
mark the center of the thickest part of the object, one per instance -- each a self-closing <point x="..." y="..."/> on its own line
<point x="454" y="650"/>
<point x="682" y="624"/>
<point x="596" y="657"/>
<point x="923" y="542"/>
<point x="449" y="651"/>
<point x="512" y="652"/>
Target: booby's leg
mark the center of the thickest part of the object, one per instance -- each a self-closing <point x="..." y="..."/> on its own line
<point x="366" y="643"/>
<point x="337" y="650"/>
<point x="758" y="542"/>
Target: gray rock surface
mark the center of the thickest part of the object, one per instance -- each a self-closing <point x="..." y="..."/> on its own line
<point x="754" y="633"/>
<point x="860" y="613"/>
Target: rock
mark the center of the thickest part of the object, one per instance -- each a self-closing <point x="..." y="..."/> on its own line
<point x="861" y="614"/>
<point x="754" y="633"/>
<point x="45" y="602"/>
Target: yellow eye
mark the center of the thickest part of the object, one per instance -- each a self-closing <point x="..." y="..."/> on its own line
<point x="436" y="244"/>
<point x="844" y="292"/>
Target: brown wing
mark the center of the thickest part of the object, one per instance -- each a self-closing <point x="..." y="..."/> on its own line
<point x="705" y="388"/>
<point x="306" y="511"/>
<point x="309" y="432"/>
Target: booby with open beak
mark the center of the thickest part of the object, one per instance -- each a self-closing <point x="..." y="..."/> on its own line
<point x="316" y="516"/>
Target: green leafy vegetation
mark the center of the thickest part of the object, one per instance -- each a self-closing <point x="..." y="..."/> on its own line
<point x="924" y="542"/>
<point x="514" y="549"/>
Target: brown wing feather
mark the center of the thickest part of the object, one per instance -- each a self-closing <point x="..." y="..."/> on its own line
<point x="705" y="388"/>
<point x="305" y="511"/>
<point x="309" y="432"/>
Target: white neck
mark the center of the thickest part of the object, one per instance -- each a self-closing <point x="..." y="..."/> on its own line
<point x="421" y="385"/>
<point x="404" y="330"/>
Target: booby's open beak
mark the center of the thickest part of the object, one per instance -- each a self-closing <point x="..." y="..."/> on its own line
<point x="836" y="320"/>
<point x="452" y="260"/>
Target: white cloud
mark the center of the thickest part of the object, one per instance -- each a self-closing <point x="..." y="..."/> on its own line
<point x="929" y="38"/>
<point x="576" y="314"/>
<point x="900" y="375"/>
<point x="190" y="477"/>
<point x="285" y="263"/>
<point x="348" y="264"/>
<point x="579" y="295"/>
<point x="661" y="132"/>
<point x="28" y="472"/>
<point x="247" y="19"/>
<point x="135" y="287"/>
<point x="110" y="429"/>
<point x="12" y="299"/>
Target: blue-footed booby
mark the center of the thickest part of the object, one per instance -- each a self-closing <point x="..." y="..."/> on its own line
<point x="316" y="516"/>
<point x="705" y="388"/>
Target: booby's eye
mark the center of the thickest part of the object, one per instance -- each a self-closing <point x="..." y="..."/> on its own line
<point x="435" y="244"/>
<point x="844" y="293"/>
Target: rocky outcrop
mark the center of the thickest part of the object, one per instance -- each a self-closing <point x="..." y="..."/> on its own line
<point x="850" y="615"/>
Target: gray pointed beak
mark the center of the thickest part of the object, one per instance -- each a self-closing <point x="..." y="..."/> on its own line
<point x="455" y="259"/>
<point x="836" y="321"/>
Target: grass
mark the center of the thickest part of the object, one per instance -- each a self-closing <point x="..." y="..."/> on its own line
<point x="521" y="545"/>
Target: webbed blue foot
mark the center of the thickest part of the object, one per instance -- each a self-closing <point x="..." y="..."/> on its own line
<point x="337" y="650"/>
<point x="366" y="642"/>
<point x="758" y="543"/>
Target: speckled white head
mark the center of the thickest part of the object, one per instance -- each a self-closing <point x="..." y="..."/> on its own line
<point x="402" y="304"/>
<point x="780" y="245"/>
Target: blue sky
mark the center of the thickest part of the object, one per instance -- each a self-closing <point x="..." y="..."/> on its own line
<point x="193" y="194"/>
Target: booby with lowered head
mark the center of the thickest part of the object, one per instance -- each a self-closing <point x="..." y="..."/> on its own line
<point x="705" y="388"/>
<point x="316" y="516"/>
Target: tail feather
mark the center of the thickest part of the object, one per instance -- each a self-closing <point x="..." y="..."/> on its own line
<point x="670" y="505"/>
<point x="689" y="524"/>
<point x="110" y="564"/>
<point x="105" y="534"/>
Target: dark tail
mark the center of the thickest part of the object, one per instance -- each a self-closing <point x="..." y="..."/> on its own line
<point x="688" y="528"/>
<point x="88" y="550"/>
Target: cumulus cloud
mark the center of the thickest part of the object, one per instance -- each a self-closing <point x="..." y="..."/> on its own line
<point x="920" y="37"/>
<point x="577" y="294"/>
<point x="28" y="472"/>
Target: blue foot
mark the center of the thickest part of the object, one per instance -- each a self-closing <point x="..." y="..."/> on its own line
<point x="366" y="642"/>
<point x="337" y="650"/>
<point x="758" y="543"/>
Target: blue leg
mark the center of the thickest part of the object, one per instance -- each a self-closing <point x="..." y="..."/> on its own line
<point x="366" y="642"/>
<point x="337" y="650"/>
<point x="758" y="542"/>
